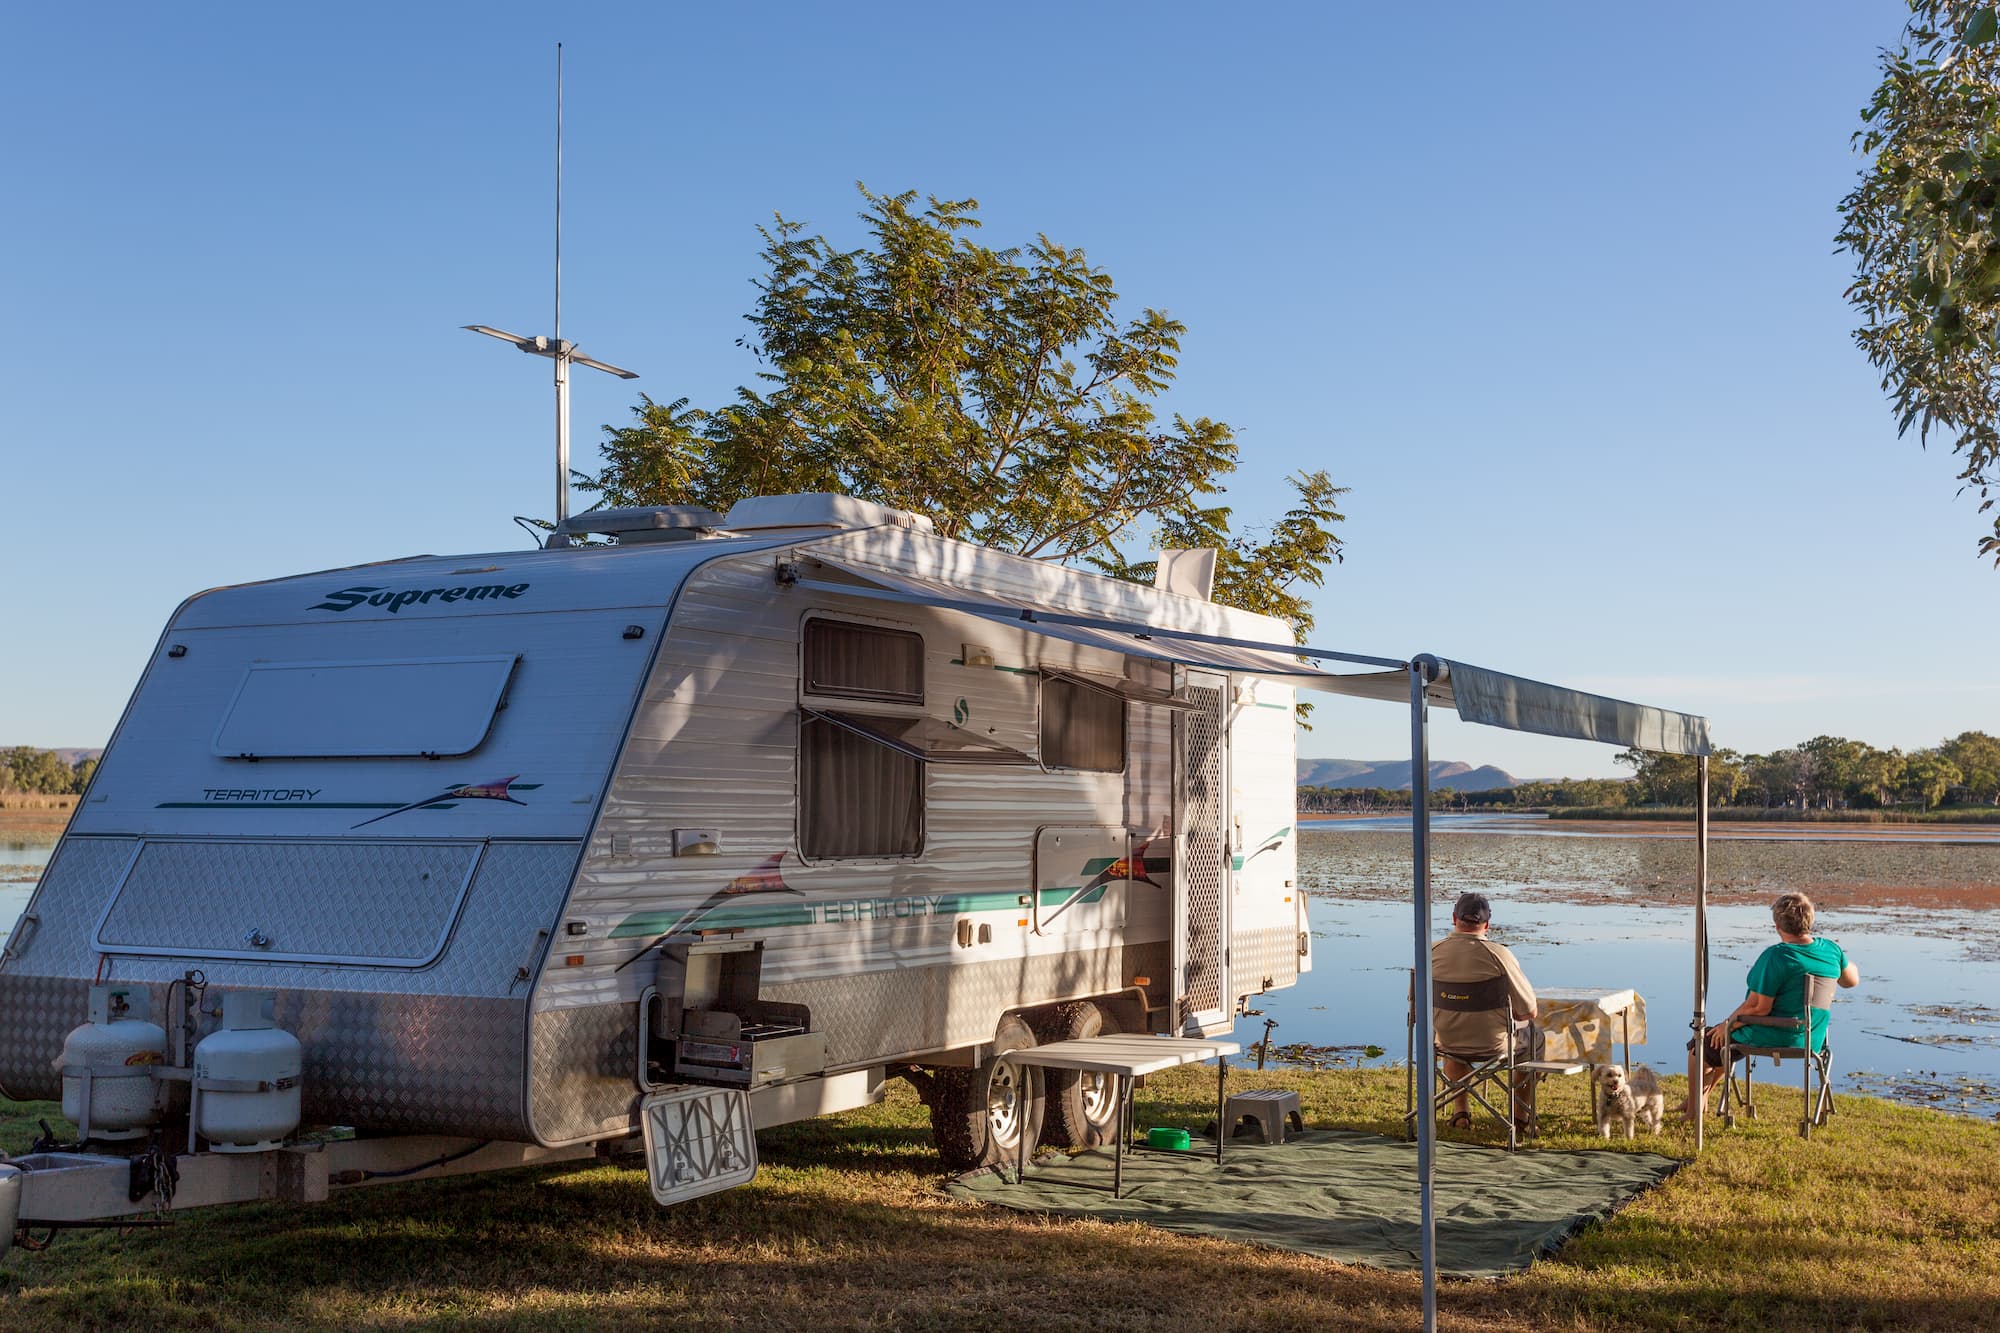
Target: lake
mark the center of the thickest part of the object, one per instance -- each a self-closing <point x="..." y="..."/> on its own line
<point x="1614" y="910"/>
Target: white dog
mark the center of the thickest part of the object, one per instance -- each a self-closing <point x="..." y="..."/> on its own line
<point x="1630" y="1100"/>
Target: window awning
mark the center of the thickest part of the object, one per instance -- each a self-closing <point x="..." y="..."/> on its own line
<point x="930" y="739"/>
<point x="1491" y="698"/>
<point x="1136" y="691"/>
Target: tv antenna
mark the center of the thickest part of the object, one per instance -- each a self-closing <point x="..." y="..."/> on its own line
<point x="564" y="354"/>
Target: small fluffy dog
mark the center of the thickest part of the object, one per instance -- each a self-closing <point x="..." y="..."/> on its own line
<point x="1628" y="1099"/>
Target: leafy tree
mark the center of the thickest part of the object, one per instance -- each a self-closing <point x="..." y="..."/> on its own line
<point x="1675" y="779"/>
<point x="1927" y="776"/>
<point x="1833" y="765"/>
<point x="1923" y="225"/>
<point x="995" y="391"/>
<point x="41" y="771"/>
<point x="1976" y="755"/>
<point x="1778" y="778"/>
<point x="1878" y="774"/>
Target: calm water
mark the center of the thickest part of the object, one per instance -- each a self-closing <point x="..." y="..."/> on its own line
<point x="1613" y="911"/>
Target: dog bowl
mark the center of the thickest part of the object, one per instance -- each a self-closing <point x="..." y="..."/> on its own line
<point x="1172" y="1140"/>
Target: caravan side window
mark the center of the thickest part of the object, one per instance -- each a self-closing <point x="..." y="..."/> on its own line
<point x="850" y="661"/>
<point x="1083" y="727"/>
<point x="857" y="796"/>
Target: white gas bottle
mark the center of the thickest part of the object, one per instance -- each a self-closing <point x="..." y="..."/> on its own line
<point x="246" y="1077"/>
<point x="107" y="1065"/>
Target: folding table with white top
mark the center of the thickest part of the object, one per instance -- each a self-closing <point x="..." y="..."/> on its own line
<point x="1128" y="1056"/>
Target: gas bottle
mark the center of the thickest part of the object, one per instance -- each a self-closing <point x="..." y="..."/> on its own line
<point x="246" y="1077"/>
<point x="117" y="1049"/>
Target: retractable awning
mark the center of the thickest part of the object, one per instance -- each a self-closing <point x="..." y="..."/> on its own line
<point x="1491" y="698"/>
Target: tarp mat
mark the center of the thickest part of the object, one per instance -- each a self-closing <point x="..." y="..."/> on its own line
<point x="1344" y="1195"/>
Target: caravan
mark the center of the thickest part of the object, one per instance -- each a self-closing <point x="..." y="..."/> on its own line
<point x="715" y="826"/>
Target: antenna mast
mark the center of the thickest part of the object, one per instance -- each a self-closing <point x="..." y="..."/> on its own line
<point x="558" y="351"/>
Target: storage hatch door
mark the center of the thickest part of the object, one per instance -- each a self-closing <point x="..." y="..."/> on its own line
<point x="367" y="903"/>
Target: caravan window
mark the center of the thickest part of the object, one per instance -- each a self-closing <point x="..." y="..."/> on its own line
<point x="850" y="661"/>
<point x="1083" y="726"/>
<point x="857" y="797"/>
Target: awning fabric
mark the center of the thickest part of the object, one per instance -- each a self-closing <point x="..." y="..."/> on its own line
<point x="1491" y="698"/>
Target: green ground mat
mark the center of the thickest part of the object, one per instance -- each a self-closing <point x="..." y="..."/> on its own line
<point x="1345" y="1195"/>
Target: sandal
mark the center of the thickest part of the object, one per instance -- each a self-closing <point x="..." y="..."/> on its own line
<point x="1463" y="1120"/>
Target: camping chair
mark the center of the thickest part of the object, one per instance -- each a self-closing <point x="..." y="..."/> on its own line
<point x="1483" y="1073"/>
<point x="1819" y="992"/>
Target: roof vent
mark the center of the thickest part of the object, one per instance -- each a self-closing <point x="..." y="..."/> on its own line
<point x="650" y="523"/>
<point x="818" y="509"/>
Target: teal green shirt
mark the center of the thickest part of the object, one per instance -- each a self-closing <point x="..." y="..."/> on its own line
<point x="1780" y="972"/>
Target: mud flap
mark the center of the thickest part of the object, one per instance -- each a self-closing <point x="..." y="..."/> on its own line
<point x="698" y="1141"/>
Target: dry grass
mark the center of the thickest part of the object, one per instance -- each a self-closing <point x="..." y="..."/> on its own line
<point x="1888" y="1218"/>
<point x="32" y="817"/>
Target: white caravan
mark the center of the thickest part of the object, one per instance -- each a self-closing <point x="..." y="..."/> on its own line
<point x="720" y="825"/>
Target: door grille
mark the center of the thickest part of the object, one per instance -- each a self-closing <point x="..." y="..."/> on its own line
<point x="1201" y="869"/>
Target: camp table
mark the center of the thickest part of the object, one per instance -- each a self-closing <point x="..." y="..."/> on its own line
<point x="1576" y="1024"/>
<point x="1128" y="1056"/>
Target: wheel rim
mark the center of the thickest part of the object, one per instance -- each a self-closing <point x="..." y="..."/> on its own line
<point x="1003" y="1103"/>
<point x="1100" y="1099"/>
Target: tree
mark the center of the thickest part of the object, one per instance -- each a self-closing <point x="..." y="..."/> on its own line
<point x="1927" y="776"/>
<point x="1878" y="774"/>
<point x="1674" y="779"/>
<point x="1923" y="225"/>
<point x="995" y="391"/>
<point x="1833" y="765"/>
<point x="1976" y="755"/>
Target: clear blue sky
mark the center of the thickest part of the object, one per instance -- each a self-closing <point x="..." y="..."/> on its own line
<point x="1552" y="290"/>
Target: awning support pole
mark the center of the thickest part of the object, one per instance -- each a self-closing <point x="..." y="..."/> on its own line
<point x="1697" y="1062"/>
<point x="1423" y="670"/>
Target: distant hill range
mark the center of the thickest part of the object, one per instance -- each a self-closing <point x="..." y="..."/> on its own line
<point x="1394" y="774"/>
<point x="72" y="757"/>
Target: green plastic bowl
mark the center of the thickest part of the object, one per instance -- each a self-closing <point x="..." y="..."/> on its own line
<point x="1173" y="1140"/>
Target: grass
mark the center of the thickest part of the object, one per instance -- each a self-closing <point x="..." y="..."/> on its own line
<point x="1975" y="814"/>
<point x="1889" y="1217"/>
<point x="31" y="817"/>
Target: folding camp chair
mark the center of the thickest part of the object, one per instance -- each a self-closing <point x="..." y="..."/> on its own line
<point x="1819" y="993"/>
<point x="1482" y="1071"/>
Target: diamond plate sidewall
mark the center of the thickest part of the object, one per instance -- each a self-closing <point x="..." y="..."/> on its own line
<point x="439" y="1050"/>
<point x="584" y="1073"/>
<point x="1261" y="960"/>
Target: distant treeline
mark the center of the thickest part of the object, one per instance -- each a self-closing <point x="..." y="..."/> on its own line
<point x="1826" y="773"/>
<point x="43" y="772"/>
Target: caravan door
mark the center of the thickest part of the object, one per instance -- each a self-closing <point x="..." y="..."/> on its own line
<point x="1201" y="858"/>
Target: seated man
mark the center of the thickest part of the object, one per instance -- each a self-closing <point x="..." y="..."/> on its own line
<point x="1467" y="955"/>
<point x="1777" y="990"/>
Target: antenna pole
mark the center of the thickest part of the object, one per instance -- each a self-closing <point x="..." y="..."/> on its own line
<point x="561" y="357"/>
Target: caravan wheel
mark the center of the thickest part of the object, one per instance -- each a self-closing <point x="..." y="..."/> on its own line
<point x="1082" y="1108"/>
<point x="979" y="1115"/>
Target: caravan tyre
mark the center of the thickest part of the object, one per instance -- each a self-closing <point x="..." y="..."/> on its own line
<point x="1082" y="1108"/>
<point x="978" y="1115"/>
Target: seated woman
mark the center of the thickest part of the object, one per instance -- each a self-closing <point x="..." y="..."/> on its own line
<point x="1777" y="990"/>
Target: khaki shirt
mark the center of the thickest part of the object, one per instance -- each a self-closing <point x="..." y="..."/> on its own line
<point x="1462" y="957"/>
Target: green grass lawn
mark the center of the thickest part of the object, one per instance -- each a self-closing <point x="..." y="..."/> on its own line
<point x="1890" y="1217"/>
